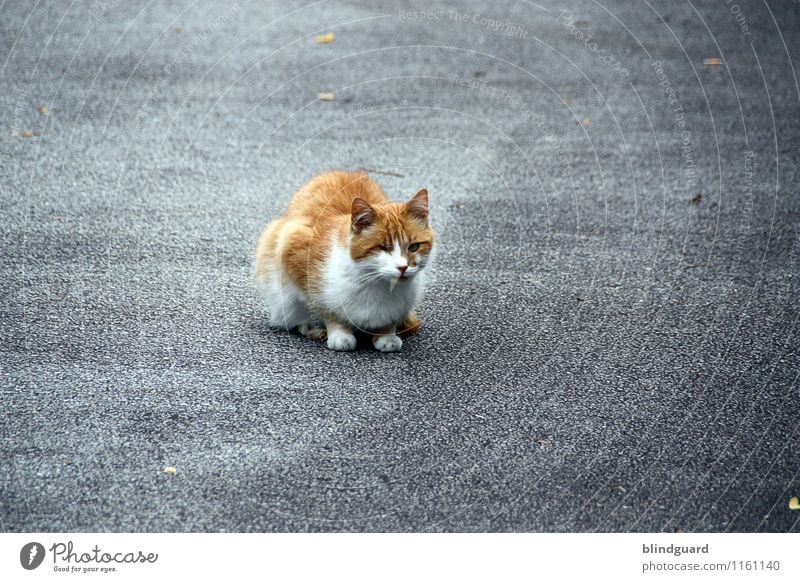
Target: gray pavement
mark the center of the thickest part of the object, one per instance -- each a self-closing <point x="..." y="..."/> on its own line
<point x="610" y="337"/>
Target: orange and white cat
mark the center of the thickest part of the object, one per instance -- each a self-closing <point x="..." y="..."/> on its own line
<point x="347" y="258"/>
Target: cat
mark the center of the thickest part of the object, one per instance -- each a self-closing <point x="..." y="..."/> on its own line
<point x="344" y="258"/>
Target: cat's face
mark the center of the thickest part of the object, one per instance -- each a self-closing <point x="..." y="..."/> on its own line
<point x="392" y="242"/>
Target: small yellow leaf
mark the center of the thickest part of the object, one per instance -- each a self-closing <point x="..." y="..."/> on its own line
<point x="794" y="503"/>
<point x="585" y="121"/>
<point x="178" y="29"/>
<point x="325" y="38"/>
<point x="24" y="133"/>
<point x="326" y="96"/>
<point x="170" y="470"/>
<point x="43" y="110"/>
<point x="712" y="61"/>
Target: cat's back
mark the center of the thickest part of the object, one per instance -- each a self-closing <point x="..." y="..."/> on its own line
<point x="300" y="239"/>
<point x="331" y="194"/>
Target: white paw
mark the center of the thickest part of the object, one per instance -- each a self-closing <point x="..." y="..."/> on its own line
<point x="341" y="341"/>
<point x="388" y="343"/>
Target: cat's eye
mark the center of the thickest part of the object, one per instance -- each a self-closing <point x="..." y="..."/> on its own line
<point x="413" y="247"/>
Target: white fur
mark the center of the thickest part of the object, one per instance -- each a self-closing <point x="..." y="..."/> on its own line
<point x="286" y="304"/>
<point x="367" y="293"/>
<point x="397" y="258"/>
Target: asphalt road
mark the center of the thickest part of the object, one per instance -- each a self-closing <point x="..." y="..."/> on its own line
<point x="610" y="333"/>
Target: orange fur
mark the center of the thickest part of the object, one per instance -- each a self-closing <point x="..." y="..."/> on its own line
<point x="350" y="210"/>
<point x="409" y="326"/>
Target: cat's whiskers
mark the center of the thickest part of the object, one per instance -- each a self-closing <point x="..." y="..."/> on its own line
<point x="365" y="280"/>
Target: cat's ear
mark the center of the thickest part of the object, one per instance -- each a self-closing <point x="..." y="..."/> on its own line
<point x="417" y="207"/>
<point x="362" y="215"/>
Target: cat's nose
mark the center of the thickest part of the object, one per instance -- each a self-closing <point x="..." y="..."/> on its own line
<point x="402" y="269"/>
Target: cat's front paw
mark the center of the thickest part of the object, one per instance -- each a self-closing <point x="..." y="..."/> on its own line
<point x="388" y="343"/>
<point x="341" y="341"/>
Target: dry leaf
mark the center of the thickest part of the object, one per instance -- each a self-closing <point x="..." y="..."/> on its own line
<point x="178" y="29"/>
<point x="170" y="470"/>
<point x="325" y="38"/>
<point x="326" y="96"/>
<point x="712" y="61"/>
<point x="25" y="133"/>
<point x="43" y="110"/>
<point x="794" y="503"/>
<point x="585" y="121"/>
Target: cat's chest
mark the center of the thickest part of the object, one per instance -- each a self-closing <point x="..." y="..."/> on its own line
<point x="366" y="305"/>
<point x="372" y="307"/>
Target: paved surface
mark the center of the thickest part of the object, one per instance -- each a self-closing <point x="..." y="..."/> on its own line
<point x="610" y="335"/>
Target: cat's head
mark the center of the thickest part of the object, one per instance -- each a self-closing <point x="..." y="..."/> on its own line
<point x="391" y="241"/>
